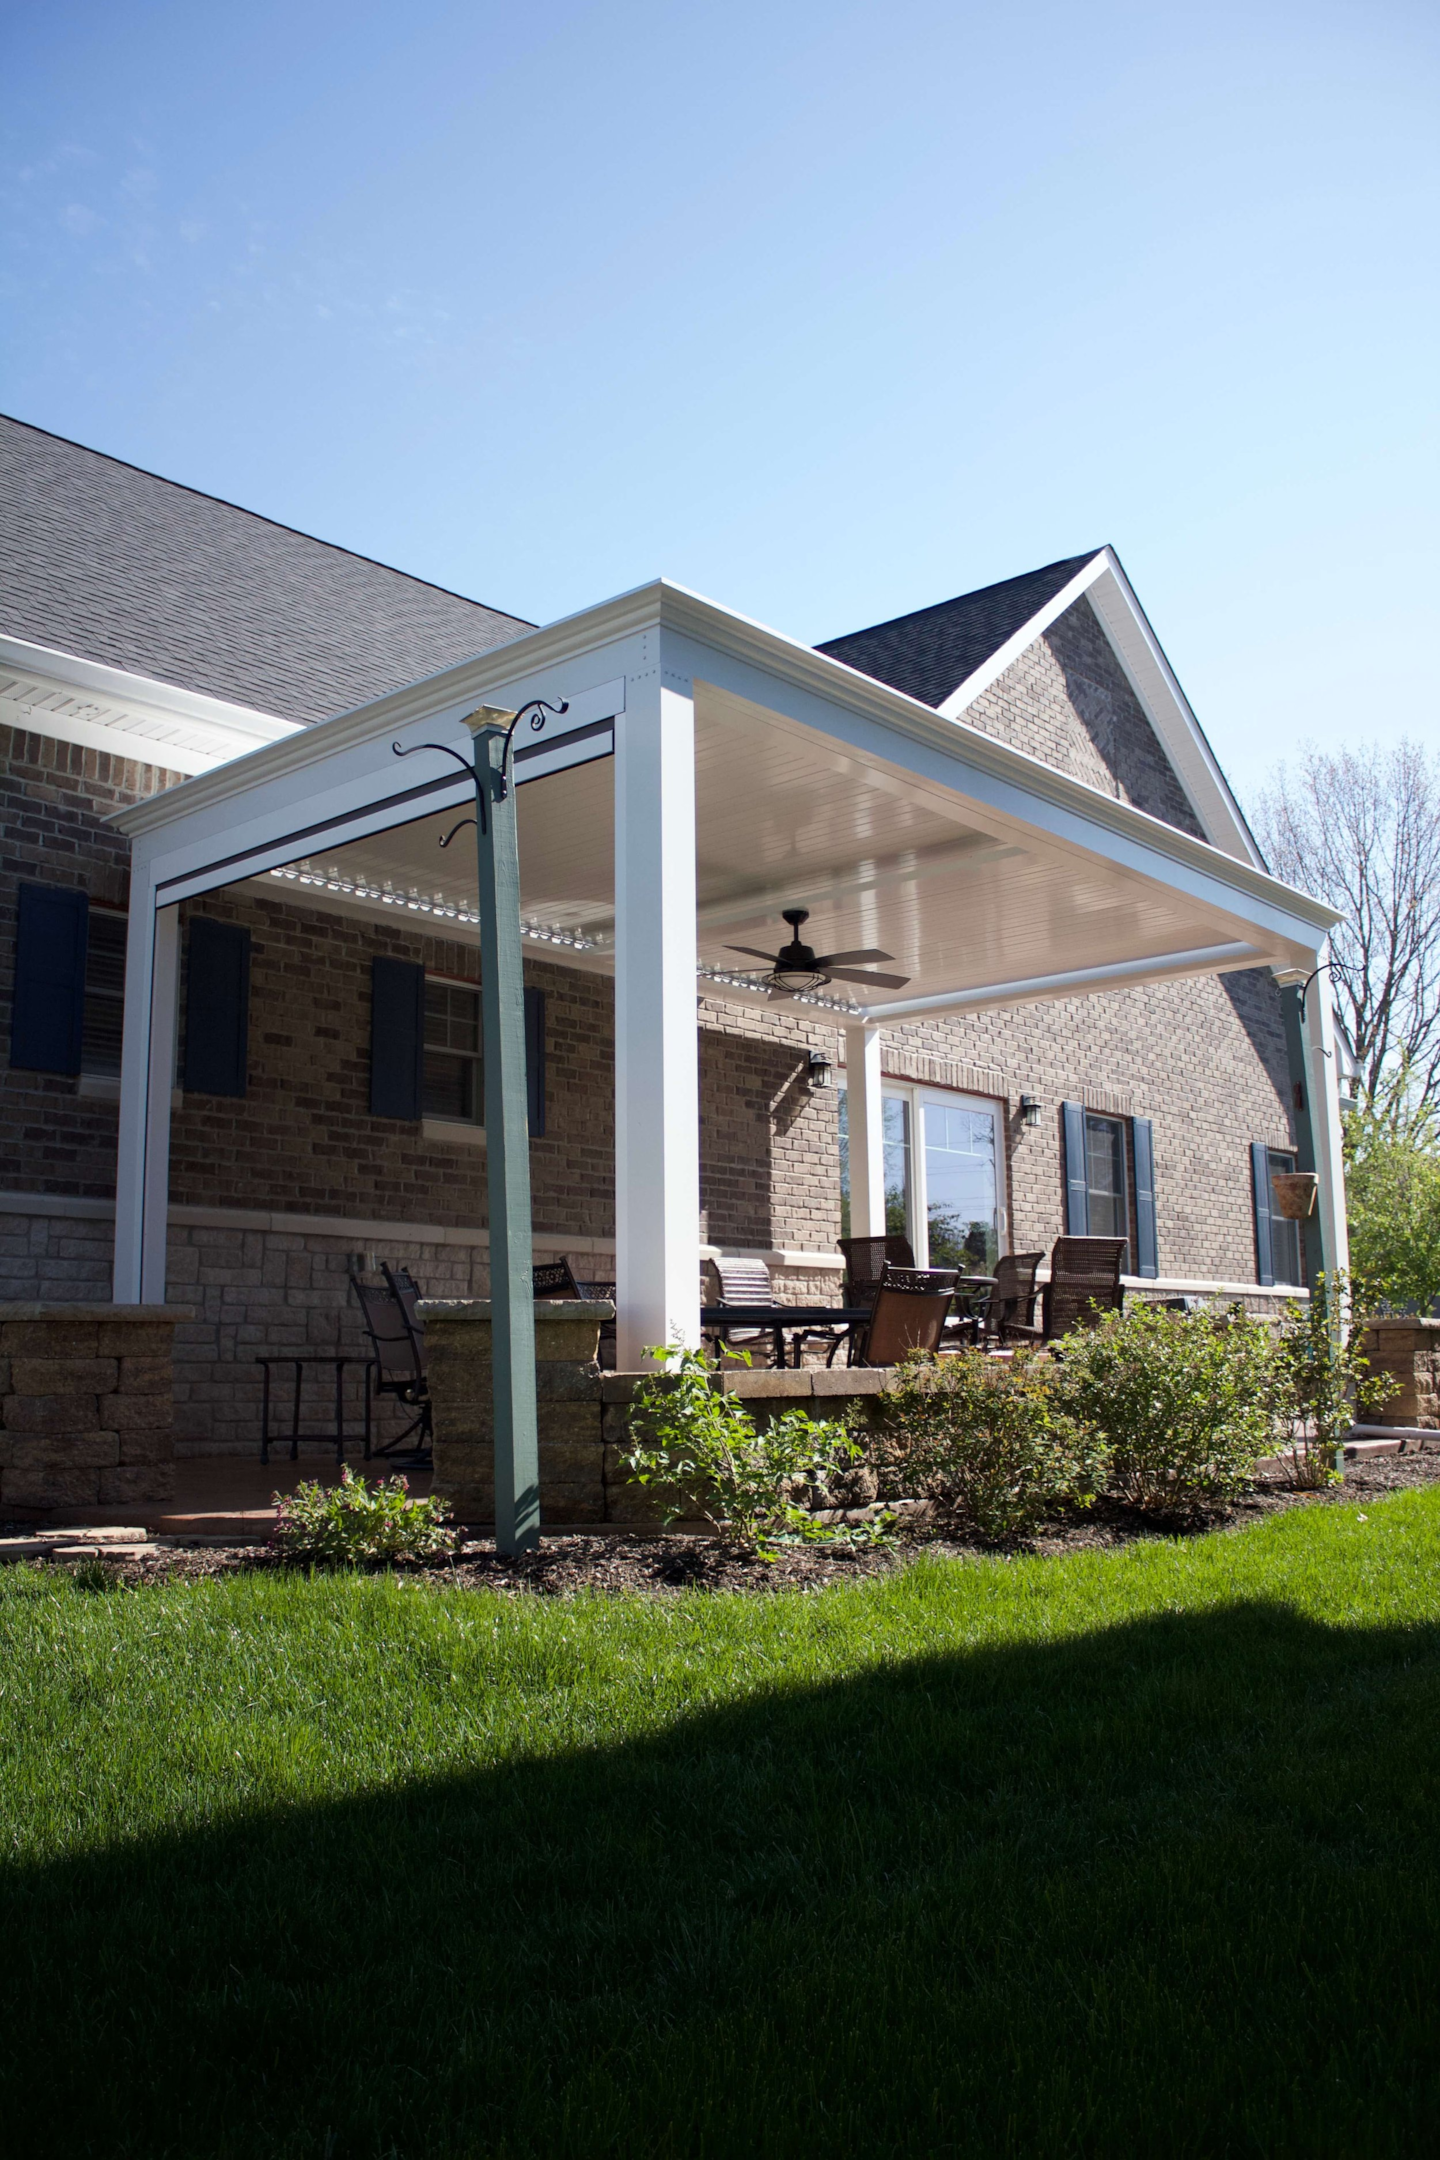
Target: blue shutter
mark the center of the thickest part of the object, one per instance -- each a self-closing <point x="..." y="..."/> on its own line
<point x="217" y="1007"/>
<point x="1077" y="1184"/>
<point x="397" y="1038"/>
<point x="535" y="1061"/>
<point x="47" y="1013"/>
<point x="1147" y="1243"/>
<point x="1260" y="1179"/>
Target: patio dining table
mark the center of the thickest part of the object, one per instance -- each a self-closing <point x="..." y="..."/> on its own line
<point x="782" y="1320"/>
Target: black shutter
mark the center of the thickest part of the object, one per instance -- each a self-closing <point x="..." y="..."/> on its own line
<point x="1147" y="1243"/>
<point x="47" y="1012"/>
<point x="397" y="1038"/>
<point x="1077" y="1183"/>
<point x="535" y="1061"/>
<point x="217" y="1007"/>
<point x="1260" y="1179"/>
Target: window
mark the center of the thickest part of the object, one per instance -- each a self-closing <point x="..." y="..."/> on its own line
<point x="1287" y="1250"/>
<point x="1105" y="1176"/>
<point x="104" y="994"/>
<point x="454" y="1086"/>
<point x="943" y="1176"/>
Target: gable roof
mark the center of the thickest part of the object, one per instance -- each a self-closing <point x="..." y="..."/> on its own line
<point x="103" y="561"/>
<point x="948" y="654"/>
<point x="930" y="653"/>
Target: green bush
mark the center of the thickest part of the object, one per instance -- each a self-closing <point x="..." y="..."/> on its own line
<point x="1323" y="1383"/>
<point x="355" y="1521"/>
<point x="989" y="1442"/>
<point x="1183" y="1401"/>
<point x="751" y="1482"/>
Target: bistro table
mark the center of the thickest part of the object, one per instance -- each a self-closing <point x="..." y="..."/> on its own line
<point x="780" y="1320"/>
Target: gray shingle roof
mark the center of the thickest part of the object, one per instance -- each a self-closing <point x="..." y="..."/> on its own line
<point x="113" y="564"/>
<point x="930" y="653"/>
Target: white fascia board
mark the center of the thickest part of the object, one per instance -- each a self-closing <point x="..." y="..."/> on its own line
<point x="128" y="715"/>
<point x="1005" y="655"/>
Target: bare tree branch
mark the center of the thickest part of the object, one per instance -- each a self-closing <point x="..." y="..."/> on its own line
<point x="1363" y="832"/>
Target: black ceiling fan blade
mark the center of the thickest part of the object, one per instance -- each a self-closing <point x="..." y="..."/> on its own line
<point x="851" y="959"/>
<point x="876" y="982"/>
<point x="755" y="954"/>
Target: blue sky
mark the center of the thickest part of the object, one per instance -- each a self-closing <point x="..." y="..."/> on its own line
<point x="829" y="312"/>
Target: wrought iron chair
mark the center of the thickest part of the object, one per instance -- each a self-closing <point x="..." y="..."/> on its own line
<point x="866" y="1259"/>
<point x="1008" y="1314"/>
<point x="397" y="1344"/>
<point x="908" y="1313"/>
<point x="554" y="1279"/>
<point x="1084" y="1283"/>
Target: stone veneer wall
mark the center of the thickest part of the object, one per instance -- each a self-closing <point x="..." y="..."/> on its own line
<point x="1407" y="1351"/>
<point x="86" y="1415"/>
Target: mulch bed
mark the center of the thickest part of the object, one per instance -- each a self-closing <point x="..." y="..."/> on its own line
<point x="575" y="1561"/>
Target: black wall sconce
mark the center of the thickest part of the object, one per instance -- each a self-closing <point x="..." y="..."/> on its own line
<point x="1030" y="1108"/>
<point x="822" y="1072"/>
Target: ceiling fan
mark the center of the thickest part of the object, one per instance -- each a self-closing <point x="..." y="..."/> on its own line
<point x="795" y="968"/>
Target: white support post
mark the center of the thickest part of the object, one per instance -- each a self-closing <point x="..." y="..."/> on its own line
<point x="657" y="1073"/>
<point x="1323" y="1070"/>
<point x="865" y="1123"/>
<point x="147" y="1075"/>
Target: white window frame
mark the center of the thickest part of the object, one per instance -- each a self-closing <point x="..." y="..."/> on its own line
<point x="915" y="1094"/>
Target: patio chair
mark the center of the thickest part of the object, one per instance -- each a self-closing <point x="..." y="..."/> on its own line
<point x="554" y="1279"/>
<point x="398" y="1368"/>
<point x="1084" y="1283"/>
<point x="745" y="1282"/>
<point x="908" y="1313"/>
<point x="1008" y="1313"/>
<point x="866" y="1259"/>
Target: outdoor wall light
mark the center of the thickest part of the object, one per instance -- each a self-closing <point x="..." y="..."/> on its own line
<point x="822" y="1072"/>
<point x="1030" y="1108"/>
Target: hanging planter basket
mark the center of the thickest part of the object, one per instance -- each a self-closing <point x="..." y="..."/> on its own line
<point x="1295" y="1193"/>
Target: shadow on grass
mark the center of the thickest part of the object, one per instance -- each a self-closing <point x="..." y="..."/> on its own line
<point x="1166" y="1888"/>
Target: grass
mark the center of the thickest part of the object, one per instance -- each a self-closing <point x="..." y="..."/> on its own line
<point x="1118" y="1853"/>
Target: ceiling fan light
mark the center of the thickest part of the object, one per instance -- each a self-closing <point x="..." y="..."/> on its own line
<point x="797" y="980"/>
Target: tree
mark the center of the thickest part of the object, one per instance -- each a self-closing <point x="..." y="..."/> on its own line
<point x="1392" y="1186"/>
<point x="1362" y="830"/>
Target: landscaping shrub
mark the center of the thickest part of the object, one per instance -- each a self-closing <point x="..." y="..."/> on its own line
<point x="1323" y="1383"/>
<point x="989" y="1442"/>
<point x="1183" y="1401"/>
<point x="355" y="1521"/>
<point x="752" y="1483"/>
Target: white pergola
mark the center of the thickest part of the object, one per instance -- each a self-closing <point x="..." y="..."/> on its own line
<point x="708" y="773"/>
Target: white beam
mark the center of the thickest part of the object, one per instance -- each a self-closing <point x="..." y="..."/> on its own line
<point x="1160" y="967"/>
<point x="865" y="1126"/>
<point x="147" y="1075"/>
<point x="1323" y="1072"/>
<point x="657" y="1081"/>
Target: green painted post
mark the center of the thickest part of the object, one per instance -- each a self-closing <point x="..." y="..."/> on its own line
<point x="507" y="1137"/>
<point x="1304" y="1125"/>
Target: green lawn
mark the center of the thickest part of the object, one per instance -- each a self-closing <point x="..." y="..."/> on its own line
<point x="1119" y="1853"/>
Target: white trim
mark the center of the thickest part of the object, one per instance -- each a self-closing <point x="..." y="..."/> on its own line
<point x="1202" y="960"/>
<point x="128" y="715"/>
<point x="453" y="1132"/>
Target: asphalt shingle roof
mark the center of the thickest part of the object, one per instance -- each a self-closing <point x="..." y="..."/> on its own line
<point x="930" y="653"/>
<point x="107" y="562"/>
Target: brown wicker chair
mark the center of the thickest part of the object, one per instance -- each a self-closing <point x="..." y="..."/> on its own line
<point x="909" y="1312"/>
<point x="866" y="1259"/>
<point x="1084" y="1283"/>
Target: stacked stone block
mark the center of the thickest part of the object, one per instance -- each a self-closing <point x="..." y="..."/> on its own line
<point x="1407" y="1351"/>
<point x="86" y="1410"/>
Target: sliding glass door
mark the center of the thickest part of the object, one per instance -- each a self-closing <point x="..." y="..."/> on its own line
<point x="944" y="1176"/>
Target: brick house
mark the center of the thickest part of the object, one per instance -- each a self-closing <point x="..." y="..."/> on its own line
<point x="1094" y="1020"/>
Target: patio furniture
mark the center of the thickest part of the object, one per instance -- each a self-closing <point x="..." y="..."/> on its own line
<point x="908" y="1313"/>
<point x="972" y="1294"/>
<point x="336" y="1435"/>
<point x="865" y="1263"/>
<point x="557" y="1279"/>
<point x="1084" y="1283"/>
<point x="835" y="1323"/>
<point x="747" y="1282"/>
<point x="1008" y="1314"/>
<point x="397" y="1367"/>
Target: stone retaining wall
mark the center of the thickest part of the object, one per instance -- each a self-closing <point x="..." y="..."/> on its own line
<point x="1407" y="1350"/>
<point x="87" y="1412"/>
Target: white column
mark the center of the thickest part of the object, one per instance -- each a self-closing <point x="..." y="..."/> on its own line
<point x="866" y="1126"/>
<point x="657" y="1076"/>
<point x="1323" y="1071"/>
<point x="147" y="1075"/>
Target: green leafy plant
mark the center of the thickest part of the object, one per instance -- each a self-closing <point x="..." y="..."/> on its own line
<point x="1323" y="1382"/>
<point x="987" y="1440"/>
<point x="355" y="1521"/>
<point x="1392" y="1190"/>
<point x="758" y="1485"/>
<point x="1182" y="1400"/>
